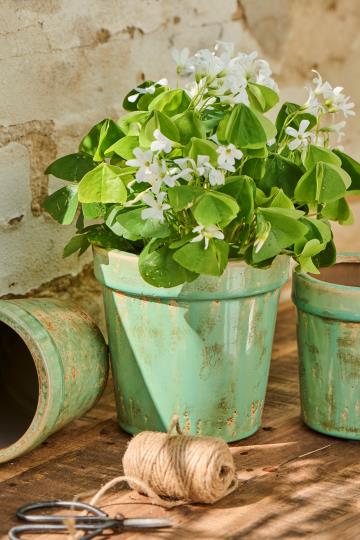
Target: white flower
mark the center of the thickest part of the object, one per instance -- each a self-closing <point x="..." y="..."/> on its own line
<point x="337" y="129"/>
<point x="230" y="89"/>
<point x="313" y="105"/>
<point x="156" y="206"/>
<point x="206" y="233"/>
<point x="335" y="100"/>
<point x="225" y="49"/>
<point x="200" y="91"/>
<point x="188" y="165"/>
<point x="265" y="80"/>
<point x="142" y="158"/>
<point x="301" y="137"/>
<point x="206" y="64"/>
<point x="255" y="69"/>
<point x="196" y="88"/>
<point x="150" y="176"/>
<point x="148" y="90"/>
<point x="203" y="165"/>
<point x="148" y="171"/>
<point x="234" y="82"/>
<point x="216" y="177"/>
<point x="169" y="176"/>
<point x="240" y="96"/>
<point x="161" y="143"/>
<point x="181" y="59"/>
<point x="185" y="172"/>
<point x="341" y="104"/>
<point x="227" y="156"/>
<point x="322" y="88"/>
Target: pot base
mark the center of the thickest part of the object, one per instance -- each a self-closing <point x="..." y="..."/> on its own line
<point x="355" y="436"/>
<point x="133" y="430"/>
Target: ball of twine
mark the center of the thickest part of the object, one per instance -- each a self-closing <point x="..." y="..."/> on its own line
<point x="181" y="467"/>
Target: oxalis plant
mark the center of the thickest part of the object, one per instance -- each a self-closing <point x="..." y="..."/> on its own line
<point x="193" y="176"/>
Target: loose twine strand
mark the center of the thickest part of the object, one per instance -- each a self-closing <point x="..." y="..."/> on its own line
<point x="172" y="470"/>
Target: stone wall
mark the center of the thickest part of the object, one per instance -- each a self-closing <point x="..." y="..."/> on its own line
<point x="65" y="64"/>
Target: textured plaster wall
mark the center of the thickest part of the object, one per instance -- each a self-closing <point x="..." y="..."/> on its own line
<point x="65" y="64"/>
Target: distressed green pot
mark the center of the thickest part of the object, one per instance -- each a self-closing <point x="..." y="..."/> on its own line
<point x="200" y="350"/>
<point x="329" y="347"/>
<point x="53" y="368"/>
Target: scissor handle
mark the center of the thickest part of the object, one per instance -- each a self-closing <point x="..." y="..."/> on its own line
<point x="24" y="515"/>
<point x="33" y="528"/>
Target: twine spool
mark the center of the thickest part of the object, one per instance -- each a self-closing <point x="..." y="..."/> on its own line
<point x="181" y="467"/>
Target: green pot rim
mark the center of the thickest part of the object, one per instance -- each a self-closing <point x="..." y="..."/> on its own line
<point x="119" y="271"/>
<point x="346" y="257"/>
<point x="328" y="300"/>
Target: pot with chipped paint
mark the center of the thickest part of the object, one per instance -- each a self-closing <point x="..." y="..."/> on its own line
<point x="328" y="308"/>
<point x="201" y="350"/>
<point x="53" y="368"/>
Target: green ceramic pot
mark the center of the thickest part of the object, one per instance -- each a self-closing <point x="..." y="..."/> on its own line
<point x="200" y="350"/>
<point x="53" y="368"/>
<point x="329" y="347"/>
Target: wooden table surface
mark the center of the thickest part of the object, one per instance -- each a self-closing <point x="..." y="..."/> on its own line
<point x="302" y="484"/>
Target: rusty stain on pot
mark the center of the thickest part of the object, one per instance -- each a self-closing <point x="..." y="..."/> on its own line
<point x="312" y="348"/>
<point x="222" y="404"/>
<point x="213" y="356"/>
<point x="231" y="419"/>
<point x="135" y="410"/>
<point x="255" y="407"/>
<point x="187" y="424"/>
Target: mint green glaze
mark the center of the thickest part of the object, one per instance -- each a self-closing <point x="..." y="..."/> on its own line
<point x="329" y="353"/>
<point x="71" y="361"/>
<point x="201" y="350"/>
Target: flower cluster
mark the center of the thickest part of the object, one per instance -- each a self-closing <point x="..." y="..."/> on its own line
<point x="326" y="104"/>
<point x="158" y="172"/>
<point x="324" y="98"/>
<point x="221" y="74"/>
<point x="193" y="176"/>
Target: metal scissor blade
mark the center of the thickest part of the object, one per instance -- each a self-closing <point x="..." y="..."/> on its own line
<point x="146" y="523"/>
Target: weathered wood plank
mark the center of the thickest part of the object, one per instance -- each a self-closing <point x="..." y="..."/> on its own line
<point x="284" y="494"/>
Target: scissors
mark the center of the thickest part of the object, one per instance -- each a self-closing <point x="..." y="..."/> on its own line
<point x="92" y="525"/>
